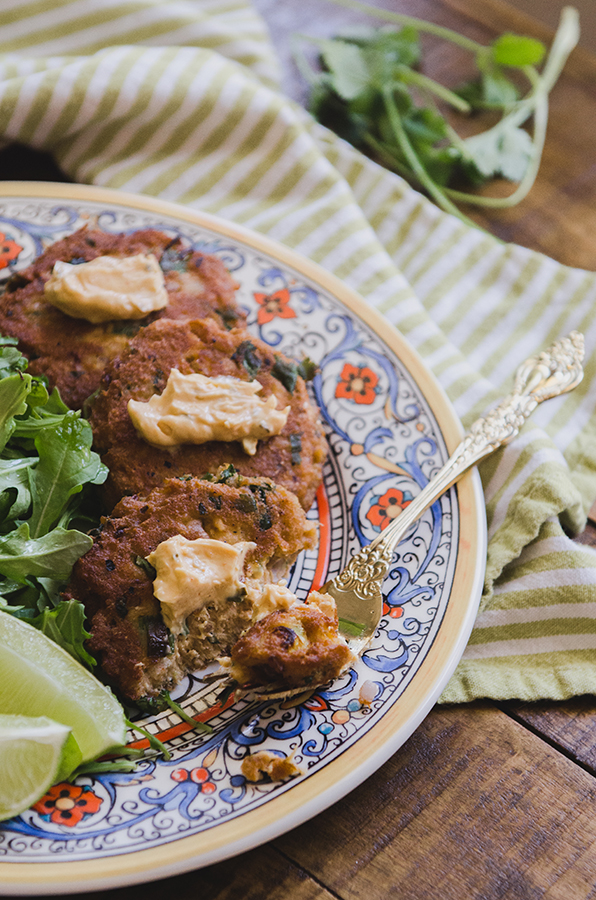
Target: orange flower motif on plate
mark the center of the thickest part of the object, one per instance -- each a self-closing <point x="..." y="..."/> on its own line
<point x="387" y="507"/>
<point x="273" y="306"/>
<point x="357" y="383"/>
<point x="9" y="250"/>
<point x="67" y="804"/>
<point x="200" y="776"/>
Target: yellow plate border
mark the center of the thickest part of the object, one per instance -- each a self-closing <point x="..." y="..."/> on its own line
<point x="343" y="774"/>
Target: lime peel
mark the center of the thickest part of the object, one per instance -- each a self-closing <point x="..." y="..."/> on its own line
<point x="35" y="752"/>
<point x="38" y="677"/>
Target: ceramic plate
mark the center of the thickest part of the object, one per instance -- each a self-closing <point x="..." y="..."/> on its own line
<point x="390" y="427"/>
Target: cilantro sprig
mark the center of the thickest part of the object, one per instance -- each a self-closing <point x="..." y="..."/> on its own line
<point x="372" y="93"/>
<point x="47" y="468"/>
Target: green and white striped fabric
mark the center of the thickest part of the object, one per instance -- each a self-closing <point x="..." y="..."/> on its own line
<point x="180" y="101"/>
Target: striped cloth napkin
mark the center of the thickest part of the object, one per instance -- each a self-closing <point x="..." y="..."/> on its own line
<point x="181" y="101"/>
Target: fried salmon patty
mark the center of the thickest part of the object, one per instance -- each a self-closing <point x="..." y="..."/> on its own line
<point x="293" y="458"/>
<point x="73" y="353"/>
<point x="135" y="649"/>
<point x="292" y="648"/>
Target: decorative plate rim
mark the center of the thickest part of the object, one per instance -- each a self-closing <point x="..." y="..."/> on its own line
<point x="321" y="789"/>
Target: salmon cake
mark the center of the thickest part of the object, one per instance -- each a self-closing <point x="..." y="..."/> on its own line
<point x="142" y="376"/>
<point x="292" y="647"/>
<point x="72" y="352"/>
<point x="147" y="548"/>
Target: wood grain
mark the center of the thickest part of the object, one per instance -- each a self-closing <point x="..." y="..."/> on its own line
<point x="569" y="726"/>
<point x="262" y="874"/>
<point x="473" y="806"/>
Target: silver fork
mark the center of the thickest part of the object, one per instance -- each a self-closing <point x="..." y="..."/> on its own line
<point x="357" y="590"/>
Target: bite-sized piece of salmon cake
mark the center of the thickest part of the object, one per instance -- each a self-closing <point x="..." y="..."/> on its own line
<point x="208" y="550"/>
<point x="73" y="352"/>
<point x="168" y="351"/>
<point x="291" y="647"/>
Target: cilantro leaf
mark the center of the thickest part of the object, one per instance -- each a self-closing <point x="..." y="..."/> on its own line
<point x="286" y="372"/>
<point x="501" y="151"/>
<point x="246" y="355"/>
<point x="514" y="50"/>
<point x="497" y="89"/>
<point x="307" y="369"/>
<point x="373" y="93"/>
<point x="350" y="74"/>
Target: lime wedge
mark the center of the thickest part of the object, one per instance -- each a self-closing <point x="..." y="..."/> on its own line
<point x="39" y="678"/>
<point x="34" y="753"/>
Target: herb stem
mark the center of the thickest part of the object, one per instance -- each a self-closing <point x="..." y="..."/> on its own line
<point x="175" y="707"/>
<point x="412" y="159"/>
<point x="154" y="742"/>
<point x="536" y="104"/>
<point x="409" y="76"/>
<point x="420" y="24"/>
<point x="310" y="76"/>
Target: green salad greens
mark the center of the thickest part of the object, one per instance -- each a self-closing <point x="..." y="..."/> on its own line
<point x="47" y="473"/>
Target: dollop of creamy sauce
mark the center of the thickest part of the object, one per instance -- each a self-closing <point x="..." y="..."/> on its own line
<point x="191" y="574"/>
<point x="270" y="598"/>
<point x="196" y="408"/>
<point x="108" y="288"/>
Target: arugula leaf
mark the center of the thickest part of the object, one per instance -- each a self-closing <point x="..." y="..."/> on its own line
<point x="14" y="390"/>
<point x="10" y="597"/>
<point x="14" y="474"/>
<point x="46" y="466"/>
<point x="55" y="406"/>
<point x="50" y="556"/>
<point x="7" y="499"/>
<point x="66" y="463"/>
<point x="11" y="360"/>
<point x="66" y="626"/>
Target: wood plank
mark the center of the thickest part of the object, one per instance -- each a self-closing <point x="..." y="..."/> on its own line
<point x="472" y="806"/>
<point x="262" y="874"/>
<point x="570" y="725"/>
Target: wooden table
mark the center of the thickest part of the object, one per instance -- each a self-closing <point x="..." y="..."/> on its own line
<point x="487" y="800"/>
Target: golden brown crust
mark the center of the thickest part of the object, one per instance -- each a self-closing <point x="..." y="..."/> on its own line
<point x="294" y="458"/>
<point x="134" y="647"/>
<point x="73" y="353"/>
<point x="293" y="648"/>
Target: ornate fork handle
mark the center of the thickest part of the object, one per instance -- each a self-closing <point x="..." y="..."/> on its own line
<point x="554" y="371"/>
